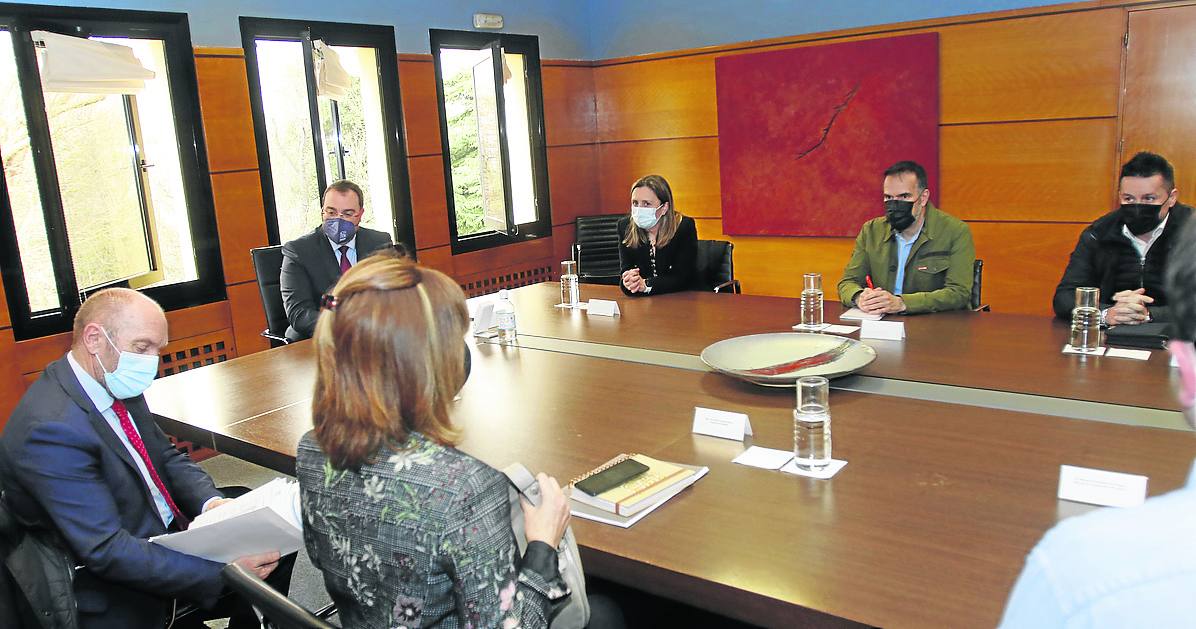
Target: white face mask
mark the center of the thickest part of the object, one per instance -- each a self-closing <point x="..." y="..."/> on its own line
<point x="133" y="373"/>
<point x="645" y="217"/>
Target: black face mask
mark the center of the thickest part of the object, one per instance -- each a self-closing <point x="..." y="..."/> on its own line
<point x="900" y="214"/>
<point x="1140" y="218"/>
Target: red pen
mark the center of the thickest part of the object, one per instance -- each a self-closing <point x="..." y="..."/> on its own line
<point x="868" y="280"/>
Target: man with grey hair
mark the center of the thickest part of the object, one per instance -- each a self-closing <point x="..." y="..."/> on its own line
<point x="81" y="457"/>
<point x="1132" y="567"/>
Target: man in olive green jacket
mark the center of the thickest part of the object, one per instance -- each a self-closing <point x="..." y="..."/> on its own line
<point x="917" y="258"/>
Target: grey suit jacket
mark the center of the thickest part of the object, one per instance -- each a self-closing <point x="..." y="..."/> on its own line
<point x="310" y="269"/>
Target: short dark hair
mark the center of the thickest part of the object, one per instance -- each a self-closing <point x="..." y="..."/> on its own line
<point x="906" y="166"/>
<point x="1181" y="283"/>
<point x="344" y="186"/>
<point x="1147" y="164"/>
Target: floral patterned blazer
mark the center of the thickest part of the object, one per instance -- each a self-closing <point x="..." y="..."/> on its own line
<point x="421" y="537"/>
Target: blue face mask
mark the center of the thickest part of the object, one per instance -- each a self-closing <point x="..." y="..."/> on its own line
<point x="339" y="230"/>
<point x="133" y="374"/>
<point x="644" y="217"/>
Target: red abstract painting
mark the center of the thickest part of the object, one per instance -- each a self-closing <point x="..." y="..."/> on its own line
<point x="805" y="133"/>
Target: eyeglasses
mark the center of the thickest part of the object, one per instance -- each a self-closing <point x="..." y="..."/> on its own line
<point x="334" y="213"/>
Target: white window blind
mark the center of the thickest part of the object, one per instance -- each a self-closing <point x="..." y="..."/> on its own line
<point x="75" y="64"/>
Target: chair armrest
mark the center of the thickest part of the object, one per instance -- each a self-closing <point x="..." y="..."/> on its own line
<point x="732" y="284"/>
<point x="274" y="337"/>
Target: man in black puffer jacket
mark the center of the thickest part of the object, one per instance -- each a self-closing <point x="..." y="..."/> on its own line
<point x="1124" y="252"/>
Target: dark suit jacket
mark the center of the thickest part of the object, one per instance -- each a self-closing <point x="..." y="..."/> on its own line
<point x="310" y="269"/>
<point x="63" y="467"/>
<point x="674" y="265"/>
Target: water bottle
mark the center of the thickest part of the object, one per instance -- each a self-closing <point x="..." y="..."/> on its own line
<point x="570" y="289"/>
<point x="1085" y="321"/>
<point x="811" y="300"/>
<point x="504" y="318"/>
<point x="812" y="424"/>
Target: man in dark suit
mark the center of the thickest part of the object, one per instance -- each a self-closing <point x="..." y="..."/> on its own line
<point x="312" y="263"/>
<point x="82" y="457"/>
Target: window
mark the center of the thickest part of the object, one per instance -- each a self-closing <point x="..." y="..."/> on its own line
<point x="105" y="179"/>
<point x="326" y="107"/>
<point x="492" y="130"/>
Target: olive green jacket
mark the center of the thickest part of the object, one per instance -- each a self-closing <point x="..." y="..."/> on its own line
<point x="938" y="272"/>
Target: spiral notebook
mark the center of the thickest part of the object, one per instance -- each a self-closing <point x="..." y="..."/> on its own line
<point x="626" y="504"/>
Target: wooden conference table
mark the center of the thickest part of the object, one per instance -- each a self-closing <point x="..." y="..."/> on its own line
<point x="928" y="525"/>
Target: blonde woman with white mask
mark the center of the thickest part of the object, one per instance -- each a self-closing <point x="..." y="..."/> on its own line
<point x="658" y="250"/>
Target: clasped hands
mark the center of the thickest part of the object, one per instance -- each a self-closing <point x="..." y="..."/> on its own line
<point x="1129" y="308"/>
<point x="878" y="301"/>
<point x="633" y="282"/>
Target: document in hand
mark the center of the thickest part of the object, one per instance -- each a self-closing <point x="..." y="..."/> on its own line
<point x="628" y="503"/>
<point x="265" y="519"/>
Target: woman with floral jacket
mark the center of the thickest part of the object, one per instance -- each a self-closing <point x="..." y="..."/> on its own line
<point x="407" y="530"/>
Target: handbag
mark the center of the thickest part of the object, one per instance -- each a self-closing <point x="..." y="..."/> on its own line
<point x="575" y="612"/>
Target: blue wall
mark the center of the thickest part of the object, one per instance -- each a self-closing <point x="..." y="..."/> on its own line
<point x="572" y="29"/>
<point x="620" y="28"/>
<point x="560" y="24"/>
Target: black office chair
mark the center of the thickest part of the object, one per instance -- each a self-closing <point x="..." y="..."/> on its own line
<point x="977" y="272"/>
<point x="267" y="265"/>
<point x="598" y="257"/>
<point x="276" y="610"/>
<point x="716" y="267"/>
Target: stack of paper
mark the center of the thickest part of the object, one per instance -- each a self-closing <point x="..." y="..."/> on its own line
<point x="265" y="519"/>
<point x="643" y="494"/>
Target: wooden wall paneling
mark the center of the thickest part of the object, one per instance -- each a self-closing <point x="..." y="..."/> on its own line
<point x="248" y="318"/>
<point x="569" y="108"/>
<point x="671" y="98"/>
<point x="690" y="165"/>
<point x="1160" y="91"/>
<point x="428" y="201"/>
<point x="1030" y="171"/>
<point x="773" y="265"/>
<point x="439" y="258"/>
<point x="34" y="354"/>
<point x="199" y="320"/>
<point x="12" y="385"/>
<point x="494" y="260"/>
<point x="227" y="115"/>
<point x="563" y="237"/>
<point x="573" y="182"/>
<point x="421" y="113"/>
<point x="1051" y="66"/>
<point x="5" y="319"/>
<point x="1023" y="262"/>
<point x="240" y="221"/>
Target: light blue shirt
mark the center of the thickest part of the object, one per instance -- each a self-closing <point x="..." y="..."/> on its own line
<point x="1133" y="567"/>
<point x="103" y="403"/>
<point x="903" y="249"/>
<point x="351" y="253"/>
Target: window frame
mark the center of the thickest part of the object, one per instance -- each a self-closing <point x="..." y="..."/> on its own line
<point x="529" y="47"/>
<point x="380" y="37"/>
<point x="174" y="31"/>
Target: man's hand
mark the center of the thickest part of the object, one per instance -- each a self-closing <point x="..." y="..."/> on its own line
<point x="215" y="502"/>
<point x="1129" y="308"/>
<point x="261" y="564"/>
<point x="879" y="300"/>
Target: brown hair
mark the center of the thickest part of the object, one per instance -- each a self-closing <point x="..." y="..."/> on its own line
<point x="668" y="222"/>
<point x="345" y="186"/>
<point x="389" y="361"/>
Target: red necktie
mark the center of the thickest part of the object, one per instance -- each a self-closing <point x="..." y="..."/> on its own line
<point x="126" y="424"/>
<point x="345" y="259"/>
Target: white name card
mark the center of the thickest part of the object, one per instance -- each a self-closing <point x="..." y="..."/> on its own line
<point x="888" y="330"/>
<point x="604" y="307"/>
<point x="1135" y="354"/>
<point x="1099" y="487"/>
<point x="484" y="319"/>
<point x="721" y="424"/>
